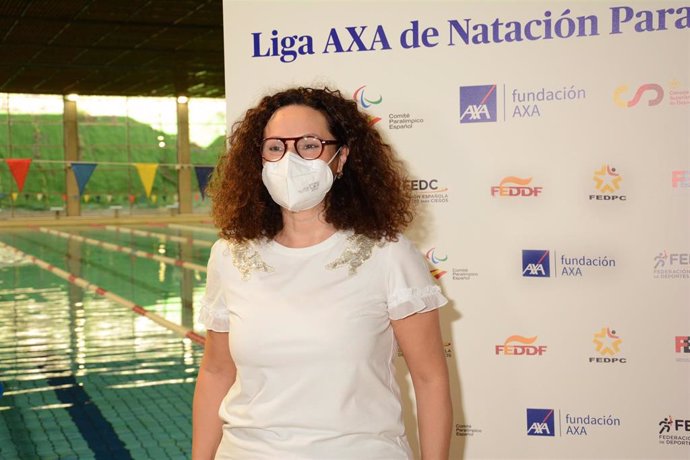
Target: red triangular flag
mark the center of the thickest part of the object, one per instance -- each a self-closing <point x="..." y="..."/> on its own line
<point x="19" y="168"/>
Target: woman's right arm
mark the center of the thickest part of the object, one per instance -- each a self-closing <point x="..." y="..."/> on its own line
<point x="216" y="375"/>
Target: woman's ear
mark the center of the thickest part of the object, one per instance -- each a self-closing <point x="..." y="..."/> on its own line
<point x="344" y="152"/>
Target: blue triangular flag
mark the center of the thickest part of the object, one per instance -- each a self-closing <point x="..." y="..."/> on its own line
<point x="82" y="172"/>
<point x="203" y="174"/>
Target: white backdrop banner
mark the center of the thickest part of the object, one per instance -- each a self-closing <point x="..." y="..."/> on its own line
<point x="549" y="149"/>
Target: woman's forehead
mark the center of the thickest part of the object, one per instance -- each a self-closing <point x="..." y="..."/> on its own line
<point x="298" y="120"/>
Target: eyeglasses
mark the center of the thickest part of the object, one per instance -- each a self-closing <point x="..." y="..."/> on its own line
<point x="308" y="147"/>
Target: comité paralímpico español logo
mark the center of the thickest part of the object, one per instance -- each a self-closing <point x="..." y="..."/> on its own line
<point x="365" y="103"/>
<point x="436" y="260"/>
<point x="438" y="271"/>
<point x="607" y="180"/>
<point x="607" y="343"/>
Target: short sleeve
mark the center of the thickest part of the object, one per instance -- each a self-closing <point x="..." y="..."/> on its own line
<point x="213" y="313"/>
<point x="411" y="289"/>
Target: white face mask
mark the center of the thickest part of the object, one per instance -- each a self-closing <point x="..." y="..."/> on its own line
<point x="297" y="184"/>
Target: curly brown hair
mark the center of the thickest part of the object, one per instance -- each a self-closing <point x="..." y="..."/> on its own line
<point x="370" y="198"/>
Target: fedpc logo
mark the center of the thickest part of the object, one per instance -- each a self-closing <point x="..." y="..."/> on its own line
<point x="653" y="90"/>
<point x="478" y="104"/>
<point x="366" y="103"/>
<point x="540" y="422"/>
<point x="535" y="263"/>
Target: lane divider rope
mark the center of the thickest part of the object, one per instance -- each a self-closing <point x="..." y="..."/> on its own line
<point x="126" y="250"/>
<point x="162" y="236"/>
<point x="86" y="285"/>
<point x="194" y="228"/>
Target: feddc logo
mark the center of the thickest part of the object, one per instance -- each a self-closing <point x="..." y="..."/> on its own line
<point x="514" y="187"/>
<point x="517" y="345"/>
<point x="672" y="265"/>
<point x="540" y="422"/>
<point x="478" y="104"/>
<point x="607" y="181"/>
<point x="674" y="431"/>
<point x="366" y="102"/>
<point x="427" y="191"/>
<point x="680" y="179"/>
<point x="535" y="263"/>
<point x="607" y="343"/>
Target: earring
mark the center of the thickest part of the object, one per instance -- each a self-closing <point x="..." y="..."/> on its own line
<point x="339" y="174"/>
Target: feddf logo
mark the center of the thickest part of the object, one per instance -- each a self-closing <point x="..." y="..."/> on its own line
<point x="680" y="179"/>
<point x="535" y="263"/>
<point x="512" y="186"/>
<point x="540" y="422"/>
<point x="517" y="345"/>
<point x="478" y="104"/>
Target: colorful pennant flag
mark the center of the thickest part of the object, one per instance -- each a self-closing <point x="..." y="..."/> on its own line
<point x="147" y="173"/>
<point x="19" y="168"/>
<point x="82" y="172"/>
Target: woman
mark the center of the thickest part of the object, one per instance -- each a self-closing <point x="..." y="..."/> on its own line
<point x="309" y="290"/>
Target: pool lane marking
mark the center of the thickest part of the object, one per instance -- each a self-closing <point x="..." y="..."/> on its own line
<point x="162" y="236"/>
<point x="84" y="284"/>
<point x="126" y="250"/>
<point x="194" y="228"/>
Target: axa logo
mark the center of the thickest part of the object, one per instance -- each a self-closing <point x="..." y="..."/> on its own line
<point x="478" y="104"/>
<point x="535" y="263"/>
<point x="364" y="102"/>
<point x="540" y="422"/>
<point x="652" y="92"/>
<point x="512" y="186"/>
<point x="436" y="260"/>
<point x="517" y="345"/>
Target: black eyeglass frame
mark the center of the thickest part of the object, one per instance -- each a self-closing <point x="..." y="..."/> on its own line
<point x="285" y="140"/>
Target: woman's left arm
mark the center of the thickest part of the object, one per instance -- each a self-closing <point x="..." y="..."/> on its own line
<point x="419" y="338"/>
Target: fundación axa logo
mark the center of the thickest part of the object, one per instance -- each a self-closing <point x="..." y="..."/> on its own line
<point x="535" y="263"/>
<point x="543" y="422"/>
<point x="607" y="343"/>
<point x="478" y="104"/>
<point x="607" y="180"/>
<point x="513" y="187"/>
<point x="517" y="345"/>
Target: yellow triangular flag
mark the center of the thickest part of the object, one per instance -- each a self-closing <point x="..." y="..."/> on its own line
<point x="154" y="198"/>
<point x="147" y="173"/>
<point x="14" y="196"/>
<point x="39" y="196"/>
<point x="108" y="198"/>
<point x="87" y="197"/>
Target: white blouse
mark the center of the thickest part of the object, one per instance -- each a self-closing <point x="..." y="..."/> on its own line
<point x="311" y="337"/>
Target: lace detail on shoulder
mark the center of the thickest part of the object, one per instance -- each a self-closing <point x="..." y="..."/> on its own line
<point x="247" y="260"/>
<point x="358" y="251"/>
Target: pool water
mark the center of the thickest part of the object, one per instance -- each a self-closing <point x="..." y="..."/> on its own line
<point x="82" y="376"/>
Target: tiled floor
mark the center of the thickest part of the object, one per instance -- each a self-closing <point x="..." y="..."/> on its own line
<point x="83" y="377"/>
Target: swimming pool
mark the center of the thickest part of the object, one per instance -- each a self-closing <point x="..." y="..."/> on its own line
<point x="84" y="376"/>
